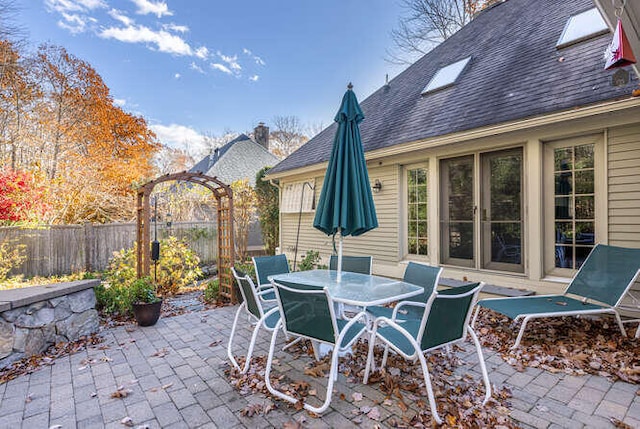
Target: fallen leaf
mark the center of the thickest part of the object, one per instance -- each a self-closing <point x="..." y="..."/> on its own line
<point x="121" y="393"/>
<point x="29" y="398"/>
<point x="127" y="421"/>
<point x="55" y="427"/>
<point x="374" y="414"/>
<point x="215" y="343"/>
<point x="357" y="396"/>
<point x="619" y="423"/>
<point x="166" y="386"/>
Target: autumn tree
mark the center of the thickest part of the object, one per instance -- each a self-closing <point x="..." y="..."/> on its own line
<point x="287" y="135"/>
<point x="268" y="211"/>
<point x="426" y="23"/>
<point x="21" y="197"/>
<point x="244" y="211"/>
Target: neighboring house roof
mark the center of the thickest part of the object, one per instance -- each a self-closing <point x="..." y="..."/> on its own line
<point x="241" y="158"/>
<point x="515" y="72"/>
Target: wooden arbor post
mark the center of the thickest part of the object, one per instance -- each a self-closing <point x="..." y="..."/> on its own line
<point x="226" y="249"/>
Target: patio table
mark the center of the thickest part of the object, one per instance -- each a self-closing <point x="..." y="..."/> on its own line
<point x="361" y="290"/>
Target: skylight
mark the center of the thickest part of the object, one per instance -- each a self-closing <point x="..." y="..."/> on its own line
<point x="581" y="27"/>
<point x="446" y="76"/>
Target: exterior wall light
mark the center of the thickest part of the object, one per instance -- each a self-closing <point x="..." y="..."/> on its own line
<point x="377" y="186"/>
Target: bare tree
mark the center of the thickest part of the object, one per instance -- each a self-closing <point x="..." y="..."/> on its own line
<point x="426" y="23"/>
<point x="287" y="135"/>
<point x="314" y="129"/>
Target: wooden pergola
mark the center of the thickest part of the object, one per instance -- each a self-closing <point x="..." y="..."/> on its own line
<point x="226" y="252"/>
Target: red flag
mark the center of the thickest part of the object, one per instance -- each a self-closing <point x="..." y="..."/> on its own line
<point x="618" y="53"/>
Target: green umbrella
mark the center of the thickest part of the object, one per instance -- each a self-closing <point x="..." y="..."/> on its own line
<point x="345" y="206"/>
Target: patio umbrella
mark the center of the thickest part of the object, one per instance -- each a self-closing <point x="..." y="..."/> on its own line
<point x="345" y="206"/>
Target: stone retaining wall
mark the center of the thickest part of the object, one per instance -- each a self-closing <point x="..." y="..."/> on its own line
<point x="34" y="318"/>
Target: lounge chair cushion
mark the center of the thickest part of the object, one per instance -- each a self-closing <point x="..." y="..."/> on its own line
<point x="514" y="307"/>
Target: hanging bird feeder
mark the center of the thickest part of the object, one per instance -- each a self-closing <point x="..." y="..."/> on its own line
<point x="618" y="53"/>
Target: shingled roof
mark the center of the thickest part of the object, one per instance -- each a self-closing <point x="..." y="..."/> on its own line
<point x="515" y="72"/>
<point x="241" y="158"/>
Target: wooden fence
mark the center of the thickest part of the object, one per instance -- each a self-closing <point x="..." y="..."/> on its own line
<point x="64" y="249"/>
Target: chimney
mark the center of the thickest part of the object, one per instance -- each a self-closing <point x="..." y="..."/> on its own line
<point x="261" y="135"/>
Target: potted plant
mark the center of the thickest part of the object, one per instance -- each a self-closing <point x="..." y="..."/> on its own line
<point x="145" y="303"/>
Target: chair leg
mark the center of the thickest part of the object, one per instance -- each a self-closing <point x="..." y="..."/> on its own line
<point x="371" y="364"/>
<point x="522" y="328"/>
<point x="254" y="336"/>
<point x="483" y="366"/>
<point x="333" y="372"/>
<point x="233" y="331"/>
<point x="475" y="316"/>
<point x="427" y="383"/>
<point x="296" y="341"/>
<point x="385" y="356"/>
<point x="621" y="326"/>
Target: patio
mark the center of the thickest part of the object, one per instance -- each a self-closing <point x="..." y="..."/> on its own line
<point x="172" y="375"/>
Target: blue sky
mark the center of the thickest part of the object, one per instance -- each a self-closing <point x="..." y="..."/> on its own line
<point x="210" y="66"/>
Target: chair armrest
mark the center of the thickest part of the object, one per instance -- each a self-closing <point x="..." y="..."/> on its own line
<point x="404" y="304"/>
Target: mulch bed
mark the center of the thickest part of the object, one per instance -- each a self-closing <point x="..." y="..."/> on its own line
<point x="571" y="345"/>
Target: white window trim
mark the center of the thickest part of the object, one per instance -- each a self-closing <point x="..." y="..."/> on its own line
<point x="404" y="212"/>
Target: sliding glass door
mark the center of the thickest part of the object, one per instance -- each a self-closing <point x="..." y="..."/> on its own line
<point x="482" y="231"/>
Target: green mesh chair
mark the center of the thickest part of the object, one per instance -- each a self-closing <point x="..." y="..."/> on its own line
<point x="308" y="313"/>
<point x="598" y="287"/>
<point x="352" y="264"/>
<point x="423" y="275"/>
<point x="444" y="322"/>
<point x="268" y="266"/>
<point x="252" y="306"/>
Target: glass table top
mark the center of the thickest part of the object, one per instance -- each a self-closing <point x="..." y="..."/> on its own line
<point x="354" y="289"/>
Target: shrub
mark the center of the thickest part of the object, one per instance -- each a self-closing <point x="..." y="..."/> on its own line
<point x="11" y="256"/>
<point x="119" y="298"/>
<point x="309" y="261"/>
<point x="247" y="268"/>
<point x="177" y="267"/>
<point x="212" y="291"/>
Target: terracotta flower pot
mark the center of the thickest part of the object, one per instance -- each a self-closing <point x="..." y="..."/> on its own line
<point x="147" y="314"/>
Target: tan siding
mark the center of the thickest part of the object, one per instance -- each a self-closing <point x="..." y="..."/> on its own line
<point x="624" y="185"/>
<point x="381" y="243"/>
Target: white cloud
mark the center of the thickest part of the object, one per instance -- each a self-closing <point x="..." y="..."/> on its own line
<point x="202" y="52"/>
<point x="221" y="67"/>
<point x="176" y="27"/>
<point x="73" y="23"/>
<point x="196" y="67"/>
<point x="256" y="58"/>
<point x="164" y="41"/>
<point x="179" y="136"/>
<point x="146" y="7"/>
<point x="232" y="62"/>
<point x="119" y="102"/>
<point x="74" y="5"/>
<point x="254" y="78"/>
<point x="120" y="16"/>
<point x="177" y="75"/>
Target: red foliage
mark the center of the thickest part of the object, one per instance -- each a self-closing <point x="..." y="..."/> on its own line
<point x="20" y="196"/>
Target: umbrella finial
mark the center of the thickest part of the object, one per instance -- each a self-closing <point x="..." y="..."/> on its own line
<point x="350" y="86"/>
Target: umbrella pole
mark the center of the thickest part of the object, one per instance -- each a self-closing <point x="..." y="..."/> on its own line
<point x="339" y="277"/>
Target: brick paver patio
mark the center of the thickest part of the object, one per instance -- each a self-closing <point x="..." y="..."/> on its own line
<point x="175" y="371"/>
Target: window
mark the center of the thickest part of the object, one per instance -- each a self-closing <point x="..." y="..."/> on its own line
<point x="572" y="181"/>
<point x="446" y="76"/>
<point x="298" y="197"/>
<point x="417" y="237"/>
<point x="581" y="27"/>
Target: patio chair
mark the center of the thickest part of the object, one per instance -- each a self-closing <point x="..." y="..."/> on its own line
<point x="252" y="306"/>
<point x="268" y="266"/>
<point x="423" y="275"/>
<point x="597" y="288"/>
<point x="352" y="264"/>
<point x="308" y="313"/>
<point x="444" y="322"/>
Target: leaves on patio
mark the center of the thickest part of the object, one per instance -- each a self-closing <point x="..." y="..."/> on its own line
<point x="459" y="395"/>
<point x="121" y="392"/>
<point x="258" y="409"/>
<point x="569" y="345"/>
<point x="161" y="353"/>
<point x="33" y="363"/>
<point x="127" y="421"/>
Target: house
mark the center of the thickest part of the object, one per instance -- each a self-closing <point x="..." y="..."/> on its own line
<point x="504" y="154"/>
<point x="241" y="158"/>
